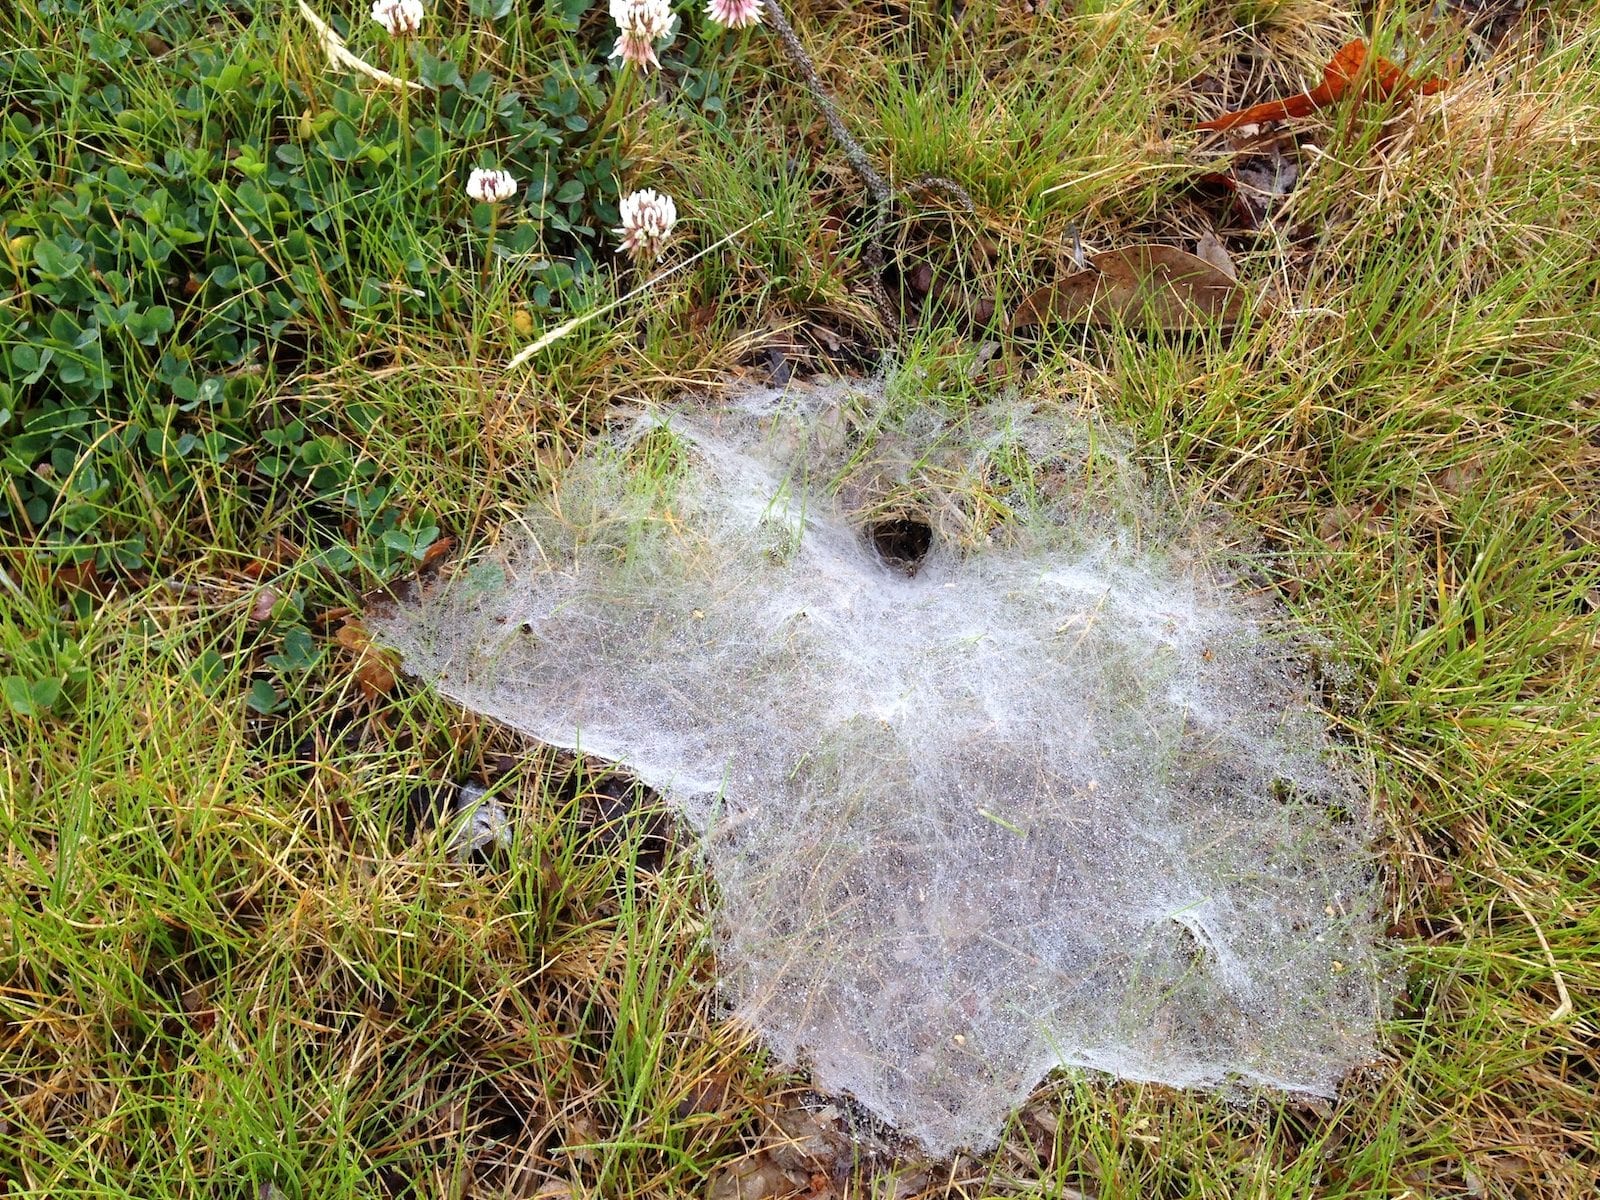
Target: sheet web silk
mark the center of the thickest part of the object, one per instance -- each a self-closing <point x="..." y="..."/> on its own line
<point x="1054" y="797"/>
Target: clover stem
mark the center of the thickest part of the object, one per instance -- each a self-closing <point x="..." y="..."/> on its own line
<point x="488" y="249"/>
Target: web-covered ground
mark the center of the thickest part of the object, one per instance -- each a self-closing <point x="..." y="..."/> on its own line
<point x="995" y="765"/>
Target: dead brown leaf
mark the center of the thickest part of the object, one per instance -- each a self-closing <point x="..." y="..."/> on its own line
<point x="1262" y="182"/>
<point x="1262" y="172"/>
<point x="755" y="1177"/>
<point x="810" y="1140"/>
<point x="1151" y="286"/>
<point x="434" y="553"/>
<point x="374" y="676"/>
<point x="583" y="1135"/>
<point x="1211" y="249"/>
<point x="279" y="552"/>
<point x="707" y="1096"/>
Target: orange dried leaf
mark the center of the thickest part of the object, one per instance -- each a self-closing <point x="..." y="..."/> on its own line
<point x="375" y="679"/>
<point x="436" y="551"/>
<point x="374" y="676"/>
<point x="353" y="637"/>
<point x="1340" y="73"/>
<point x="1259" y="114"/>
<point x="1337" y="77"/>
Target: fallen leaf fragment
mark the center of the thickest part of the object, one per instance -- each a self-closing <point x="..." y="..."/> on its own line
<point x="810" y="1141"/>
<point x="265" y="602"/>
<point x="1153" y="286"/>
<point x="1385" y="80"/>
<point x="435" y="552"/>
<point x="374" y="676"/>
<point x="1211" y="249"/>
<point x="81" y="577"/>
<point x="1262" y="174"/>
<point x="706" y="1096"/>
<point x="583" y="1135"/>
<point x="280" y="552"/>
<point x="481" y="826"/>
<point x="754" y="1177"/>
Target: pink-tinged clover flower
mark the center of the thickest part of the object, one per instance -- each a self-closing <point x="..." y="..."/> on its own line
<point x="399" y="18"/>
<point x="643" y="24"/>
<point x="647" y="220"/>
<point x="491" y="187"/>
<point x="735" y="14"/>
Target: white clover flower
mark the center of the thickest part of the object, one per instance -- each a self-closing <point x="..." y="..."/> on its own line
<point x="491" y="187"/>
<point x="735" y="14"/>
<point x="636" y="49"/>
<point x="643" y="23"/>
<point x="400" y="18"/>
<point x="647" y="220"/>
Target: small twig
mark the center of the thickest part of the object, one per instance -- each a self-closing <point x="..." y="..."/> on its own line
<point x="882" y="194"/>
<point x="562" y="330"/>
<point x="854" y="152"/>
<point x="333" y="45"/>
<point x="946" y="186"/>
